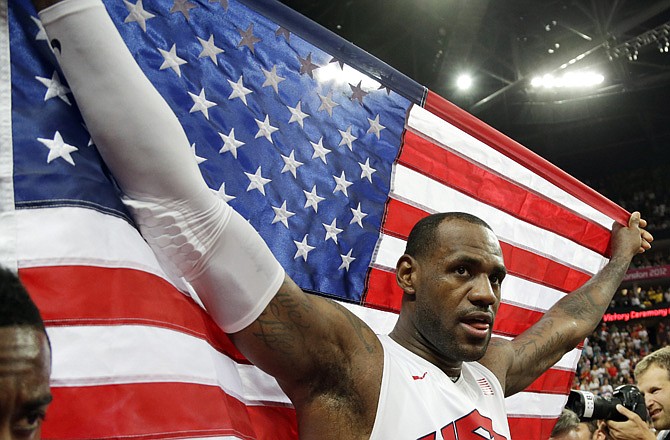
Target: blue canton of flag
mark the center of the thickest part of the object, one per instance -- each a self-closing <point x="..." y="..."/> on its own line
<point x="295" y="140"/>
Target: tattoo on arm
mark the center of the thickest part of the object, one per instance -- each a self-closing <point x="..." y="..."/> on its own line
<point x="538" y="350"/>
<point x="357" y="325"/>
<point x="283" y="322"/>
<point x="581" y="306"/>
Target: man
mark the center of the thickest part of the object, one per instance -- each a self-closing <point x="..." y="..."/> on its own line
<point x="419" y="382"/>
<point x="566" y="427"/>
<point x="652" y="375"/>
<point x="25" y="362"/>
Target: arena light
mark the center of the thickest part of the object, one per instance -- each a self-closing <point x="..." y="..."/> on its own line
<point x="568" y="80"/>
<point x="464" y="82"/>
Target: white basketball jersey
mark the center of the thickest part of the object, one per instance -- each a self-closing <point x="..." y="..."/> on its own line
<point x="418" y="401"/>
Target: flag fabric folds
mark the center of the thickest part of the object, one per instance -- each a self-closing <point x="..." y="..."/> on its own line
<point x="330" y="154"/>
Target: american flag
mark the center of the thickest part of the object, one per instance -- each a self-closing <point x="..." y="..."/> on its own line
<point x="330" y="154"/>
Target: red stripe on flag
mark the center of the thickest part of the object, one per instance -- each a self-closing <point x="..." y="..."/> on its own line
<point x="400" y="217"/>
<point x="520" y="154"/>
<point x="85" y="295"/>
<point x="161" y="411"/>
<point x="552" y="381"/>
<point x="383" y="292"/>
<point x="425" y="157"/>
<point x="530" y="428"/>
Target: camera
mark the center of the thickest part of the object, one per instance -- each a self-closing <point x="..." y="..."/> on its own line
<point x="590" y="407"/>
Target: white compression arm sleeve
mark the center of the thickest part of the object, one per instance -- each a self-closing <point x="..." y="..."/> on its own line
<point x="193" y="233"/>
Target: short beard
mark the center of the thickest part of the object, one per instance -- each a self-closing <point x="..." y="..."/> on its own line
<point x="432" y="332"/>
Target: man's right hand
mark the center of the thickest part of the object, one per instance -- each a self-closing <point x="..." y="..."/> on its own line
<point x="632" y="239"/>
<point x="632" y="429"/>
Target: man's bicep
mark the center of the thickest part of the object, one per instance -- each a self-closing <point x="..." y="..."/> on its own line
<point x="297" y="334"/>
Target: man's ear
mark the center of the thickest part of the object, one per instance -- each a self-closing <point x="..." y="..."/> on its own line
<point x="405" y="274"/>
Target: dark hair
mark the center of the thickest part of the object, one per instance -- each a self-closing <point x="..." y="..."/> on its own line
<point x="16" y="307"/>
<point x="421" y="240"/>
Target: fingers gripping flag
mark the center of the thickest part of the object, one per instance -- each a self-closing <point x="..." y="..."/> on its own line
<point x="330" y="154"/>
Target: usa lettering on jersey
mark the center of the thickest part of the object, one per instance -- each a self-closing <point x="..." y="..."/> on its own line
<point x="473" y="426"/>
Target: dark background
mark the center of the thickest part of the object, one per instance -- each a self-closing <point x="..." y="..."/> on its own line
<point x="607" y="132"/>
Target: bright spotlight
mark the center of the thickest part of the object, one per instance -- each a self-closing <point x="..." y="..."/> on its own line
<point x="464" y="82"/>
<point x="570" y="79"/>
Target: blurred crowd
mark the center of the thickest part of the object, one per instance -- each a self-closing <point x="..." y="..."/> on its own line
<point x="611" y="353"/>
<point x="646" y="190"/>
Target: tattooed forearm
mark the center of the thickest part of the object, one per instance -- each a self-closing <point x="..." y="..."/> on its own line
<point x="588" y="303"/>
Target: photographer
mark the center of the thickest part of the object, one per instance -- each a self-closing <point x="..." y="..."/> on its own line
<point x="653" y="378"/>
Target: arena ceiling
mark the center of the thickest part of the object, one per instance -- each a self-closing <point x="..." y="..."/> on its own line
<point x="622" y="123"/>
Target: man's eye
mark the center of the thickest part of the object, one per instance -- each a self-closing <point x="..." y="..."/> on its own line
<point x="496" y="279"/>
<point x="30" y="423"/>
<point x="461" y="270"/>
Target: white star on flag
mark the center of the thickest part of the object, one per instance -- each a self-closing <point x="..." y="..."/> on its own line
<point x="265" y="129"/>
<point x="313" y="199"/>
<point x="290" y="163"/>
<point x="347" y="138"/>
<point x="209" y="49"/>
<point x="303" y="248"/>
<point x="239" y="91"/>
<point x="297" y="115"/>
<point x="282" y="214"/>
<point x="366" y="170"/>
<point x="332" y="230"/>
<point x="319" y="150"/>
<point x="54" y="88"/>
<point x="230" y="143"/>
<point x="41" y="33"/>
<point x="198" y="159"/>
<point x="346" y="261"/>
<point x="256" y="181"/>
<point x="201" y="104"/>
<point x="222" y="193"/>
<point x="58" y="148"/>
<point x="327" y="103"/>
<point x="358" y="215"/>
<point x="138" y="14"/>
<point x="272" y="79"/>
<point x="341" y="184"/>
<point x="172" y="61"/>
<point x="375" y="126"/>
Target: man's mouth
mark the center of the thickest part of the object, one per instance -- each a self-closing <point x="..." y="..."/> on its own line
<point x="478" y="324"/>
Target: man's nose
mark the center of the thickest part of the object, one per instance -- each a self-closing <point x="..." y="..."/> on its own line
<point x="648" y="400"/>
<point x="482" y="291"/>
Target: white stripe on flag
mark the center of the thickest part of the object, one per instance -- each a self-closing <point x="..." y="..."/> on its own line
<point x="409" y="185"/>
<point x="535" y="405"/>
<point x="103" y="355"/>
<point x="8" y="222"/>
<point x="423" y="121"/>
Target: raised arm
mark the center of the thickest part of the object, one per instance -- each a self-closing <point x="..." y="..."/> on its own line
<point x="519" y="362"/>
<point x="293" y="336"/>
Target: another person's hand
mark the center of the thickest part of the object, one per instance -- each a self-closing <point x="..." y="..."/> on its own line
<point x="632" y="429"/>
<point x="632" y="239"/>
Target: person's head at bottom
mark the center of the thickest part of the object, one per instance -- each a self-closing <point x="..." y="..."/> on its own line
<point x="652" y="375"/>
<point x="25" y="362"/>
<point x="566" y="426"/>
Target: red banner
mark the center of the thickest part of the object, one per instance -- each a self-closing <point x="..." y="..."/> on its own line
<point x="648" y="273"/>
<point x="636" y="314"/>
